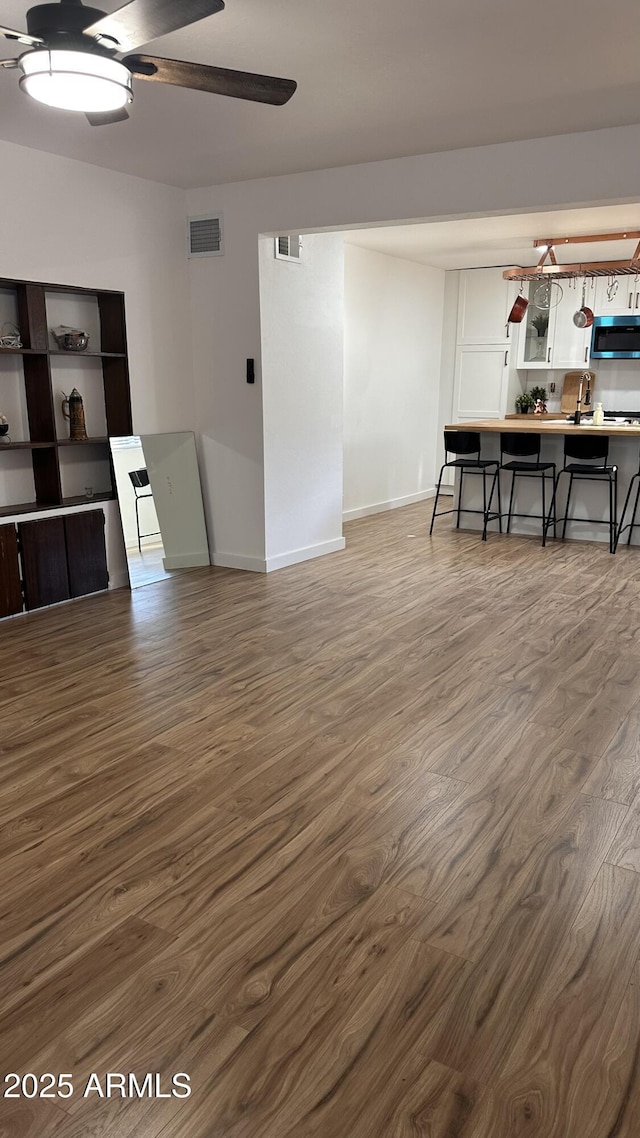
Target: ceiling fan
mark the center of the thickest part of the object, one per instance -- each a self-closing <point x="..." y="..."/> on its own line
<point x="72" y="62"/>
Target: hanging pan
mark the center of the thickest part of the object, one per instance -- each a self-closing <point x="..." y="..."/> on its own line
<point x="583" y="318"/>
<point x="518" y="309"/>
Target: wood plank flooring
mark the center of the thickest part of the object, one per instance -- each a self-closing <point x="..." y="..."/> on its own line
<point x="356" y="846"/>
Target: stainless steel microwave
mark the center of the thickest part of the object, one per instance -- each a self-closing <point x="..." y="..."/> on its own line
<point x="616" y="338"/>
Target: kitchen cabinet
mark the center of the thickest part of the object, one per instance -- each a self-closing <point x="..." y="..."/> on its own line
<point x="484" y="303"/>
<point x="485" y="379"/>
<point x="548" y="338"/>
<point x="485" y="385"/>
<point x="617" y="296"/>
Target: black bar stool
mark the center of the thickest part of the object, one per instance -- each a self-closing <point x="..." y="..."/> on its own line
<point x="523" y="446"/>
<point x="633" y="523"/>
<point x="140" y="482"/>
<point x="464" y="444"/>
<point x="592" y="453"/>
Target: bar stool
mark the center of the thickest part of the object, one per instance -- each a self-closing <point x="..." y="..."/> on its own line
<point x="140" y="482"/>
<point x="633" y="523"/>
<point x="523" y="446"/>
<point x="592" y="453"/>
<point x="464" y="444"/>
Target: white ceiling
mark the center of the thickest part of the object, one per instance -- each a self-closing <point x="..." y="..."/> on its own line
<point x="377" y="79"/>
<point x="474" y="242"/>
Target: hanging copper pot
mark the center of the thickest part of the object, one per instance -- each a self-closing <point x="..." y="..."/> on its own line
<point x="518" y="309"/>
<point x="583" y="318"/>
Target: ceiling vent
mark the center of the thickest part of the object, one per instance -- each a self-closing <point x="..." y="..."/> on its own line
<point x="204" y="236"/>
<point x="288" y="247"/>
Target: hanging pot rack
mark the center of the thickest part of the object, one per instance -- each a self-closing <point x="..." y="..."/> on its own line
<point x="548" y="265"/>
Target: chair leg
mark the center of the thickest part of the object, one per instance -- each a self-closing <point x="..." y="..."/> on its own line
<point x="552" y="508"/>
<point x="138" y="525"/>
<point x="435" y="504"/>
<point x="485" y="510"/>
<point x="513" y="482"/>
<point x="635" y="509"/>
<point x="544" y="504"/>
<point x="459" y="497"/>
<point x="566" y="511"/>
<point x="499" y="501"/>
<point x="613" y="510"/>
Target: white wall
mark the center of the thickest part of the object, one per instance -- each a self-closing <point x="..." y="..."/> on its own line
<point x="393" y="335"/>
<point x="592" y="167"/>
<point x="70" y="223"/>
<point x="302" y="315"/>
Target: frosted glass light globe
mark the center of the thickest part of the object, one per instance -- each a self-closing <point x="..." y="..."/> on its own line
<point x="75" y="80"/>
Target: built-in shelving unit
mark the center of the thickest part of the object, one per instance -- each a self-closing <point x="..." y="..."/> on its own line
<point x="41" y="468"/>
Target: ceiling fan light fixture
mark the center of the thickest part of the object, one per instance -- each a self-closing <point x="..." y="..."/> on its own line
<point x="75" y="80"/>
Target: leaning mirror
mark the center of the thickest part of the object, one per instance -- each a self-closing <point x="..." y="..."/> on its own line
<point x="160" y="501"/>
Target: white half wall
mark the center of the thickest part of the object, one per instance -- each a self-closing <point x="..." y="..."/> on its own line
<point x="302" y="318"/>
<point x="393" y="333"/>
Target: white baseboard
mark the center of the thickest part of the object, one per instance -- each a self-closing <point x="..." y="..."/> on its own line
<point x="187" y="561"/>
<point x="305" y="554"/>
<point x="119" y="580"/>
<point x="239" y="561"/>
<point x="392" y="504"/>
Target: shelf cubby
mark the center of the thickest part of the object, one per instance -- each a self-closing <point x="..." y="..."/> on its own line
<point x="42" y="468"/>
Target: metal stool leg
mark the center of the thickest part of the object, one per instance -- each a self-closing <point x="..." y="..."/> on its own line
<point x="612" y="513"/>
<point x="138" y="525"/>
<point x="635" y="509"/>
<point x="624" y="508"/>
<point x="495" y="481"/>
<point x="513" y="482"/>
<point x="435" y="504"/>
<point x="484" y="504"/>
<point x="459" y="497"/>
<point x="566" y="511"/>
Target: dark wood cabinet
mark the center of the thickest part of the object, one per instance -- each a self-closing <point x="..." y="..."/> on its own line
<point x="10" y="583"/>
<point x="52" y="559"/>
<point x="44" y="562"/>
<point x="86" y="552"/>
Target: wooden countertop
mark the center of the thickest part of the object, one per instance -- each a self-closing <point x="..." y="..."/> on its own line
<point x="543" y="426"/>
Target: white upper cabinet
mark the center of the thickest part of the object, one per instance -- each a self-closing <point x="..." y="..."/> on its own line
<point x="484" y="303"/>
<point x="548" y="337"/>
<point x="570" y="346"/>
<point x="617" y="296"/>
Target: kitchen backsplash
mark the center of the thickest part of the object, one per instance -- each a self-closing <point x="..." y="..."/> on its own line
<point x="617" y="384"/>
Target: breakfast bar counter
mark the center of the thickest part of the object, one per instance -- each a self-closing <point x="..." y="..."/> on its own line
<point x="543" y="426"/>
<point x="589" y="509"/>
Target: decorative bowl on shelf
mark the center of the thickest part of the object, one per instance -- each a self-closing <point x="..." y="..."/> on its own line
<point x="70" y="339"/>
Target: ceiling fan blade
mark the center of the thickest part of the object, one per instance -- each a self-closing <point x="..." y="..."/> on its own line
<point x="8" y="63"/>
<point x="21" y="37"/>
<point x="105" y="118"/>
<point x="141" y="21"/>
<point x="216" y="80"/>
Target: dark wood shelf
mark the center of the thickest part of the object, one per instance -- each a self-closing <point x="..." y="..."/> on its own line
<point x="82" y="500"/>
<point x="97" y="440"/>
<point x="89" y="355"/>
<point x="24" y="446"/>
<point x="53" y="471"/>
<point x="23" y="352"/>
<point x="27" y="508"/>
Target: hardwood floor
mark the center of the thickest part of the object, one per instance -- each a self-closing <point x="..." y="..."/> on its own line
<point x="356" y="846"/>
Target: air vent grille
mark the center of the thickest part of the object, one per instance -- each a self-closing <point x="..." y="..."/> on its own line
<point x="205" y="236"/>
<point x="288" y="247"/>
